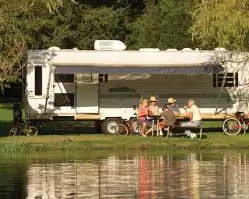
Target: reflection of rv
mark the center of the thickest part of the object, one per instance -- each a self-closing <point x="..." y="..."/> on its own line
<point x="111" y="177"/>
<point x="105" y="84"/>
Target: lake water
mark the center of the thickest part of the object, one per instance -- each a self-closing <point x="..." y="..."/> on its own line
<point x="139" y="176"/>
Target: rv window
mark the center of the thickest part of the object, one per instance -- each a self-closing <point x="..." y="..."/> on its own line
<point x="103" y="77"/>
<point x="63" y="99"/>
<point x="87" y="78"/>
<point x="231" y="80"/>
<point x="38" y="80"/>
<point x="66" y="78"/>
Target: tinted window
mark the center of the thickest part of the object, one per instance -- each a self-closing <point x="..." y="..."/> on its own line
<point x="38" y="80"/>
<point x="69" y="78"/>
<point x="63" y="99"/>
<point x="103" y="77"/>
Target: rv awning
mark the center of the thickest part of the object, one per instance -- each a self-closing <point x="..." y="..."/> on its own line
<point x="202" y="69"/>
<point x="123" y="62"/>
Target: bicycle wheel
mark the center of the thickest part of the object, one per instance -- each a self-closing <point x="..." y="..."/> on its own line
<point x="31" y="130"/>
<point x="232" y="126"/>
<point x="137" y="129"/>
<point x="122" y="130"/>
<point x="13" y="131"/>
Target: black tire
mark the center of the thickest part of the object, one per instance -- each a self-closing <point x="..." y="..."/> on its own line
<point x="13" y="131"/>
<point x="31" y="130"/>
<point x="122" y="129"/>
<point x="232" y="126"/>
<point x="109" y="126"/>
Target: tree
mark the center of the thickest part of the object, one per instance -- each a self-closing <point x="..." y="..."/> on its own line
<point x="102" y="23"/>
<point x="163" y="25"/>
<point x="12" y="46"/>
<point x="12" y="40"/>
<point x="221" y="23"/>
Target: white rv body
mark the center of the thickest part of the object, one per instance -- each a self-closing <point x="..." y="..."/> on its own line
<point x="107" y="84"/>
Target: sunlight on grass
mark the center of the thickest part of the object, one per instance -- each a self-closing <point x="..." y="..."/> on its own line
<point x="103" y="142"/>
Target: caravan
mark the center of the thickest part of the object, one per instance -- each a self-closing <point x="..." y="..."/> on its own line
<point x="107" y="83"/>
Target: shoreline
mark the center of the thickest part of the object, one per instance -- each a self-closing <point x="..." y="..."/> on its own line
<point x="96" y="142"/>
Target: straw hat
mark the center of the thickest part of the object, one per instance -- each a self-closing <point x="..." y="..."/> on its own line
<point x="153" y="99"/>
<point x="171" y="100"/>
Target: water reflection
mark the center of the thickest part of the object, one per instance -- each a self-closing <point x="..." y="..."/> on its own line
<point x="143" y="177"/>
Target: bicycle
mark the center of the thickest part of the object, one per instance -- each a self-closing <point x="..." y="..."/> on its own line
<point x="128" y="127"/>
<point x="23" y="128"/>
<point x="234" y="125"/>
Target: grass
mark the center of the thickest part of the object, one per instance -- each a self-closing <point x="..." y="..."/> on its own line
<point x="73" y="138"/>
<point x="119" y="143"/>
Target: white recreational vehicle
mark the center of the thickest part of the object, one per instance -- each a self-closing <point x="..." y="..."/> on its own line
<point x="107" y="83"/>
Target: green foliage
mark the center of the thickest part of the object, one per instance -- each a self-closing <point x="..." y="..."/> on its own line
<point x="12" y="39"/>
<point x="222" y="23"/>
<point x="102" y="23"/>
<point x="164" y="24"/>
<point x="39" y="24"/>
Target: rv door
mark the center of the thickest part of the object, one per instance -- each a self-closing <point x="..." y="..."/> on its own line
<point x="87" y="93"/>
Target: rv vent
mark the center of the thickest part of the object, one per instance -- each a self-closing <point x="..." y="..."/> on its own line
<point x="171" y="50"/>
<point x="54" y="48"/>
<point x="149" y="49"/>
<point x="186" y="49"/>
<point x="220" y="49"/>
<point x="109" y="45"/>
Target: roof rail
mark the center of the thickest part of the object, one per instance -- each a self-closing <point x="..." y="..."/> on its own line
<point x="110" y="45"/>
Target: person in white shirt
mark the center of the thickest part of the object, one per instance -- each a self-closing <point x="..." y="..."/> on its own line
<point x="193" y="112"/>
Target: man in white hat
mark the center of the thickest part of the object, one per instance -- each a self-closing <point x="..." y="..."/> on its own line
<point x="173" y="106"/>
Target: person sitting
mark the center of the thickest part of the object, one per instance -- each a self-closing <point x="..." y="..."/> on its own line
<point x="173" y="106"/>
<point x="153" y="108"/>
<point x="193" y="113"/>
<point x="143" y="111"/>
<point x="169" y="118"/>
<point x="154" y="113"/>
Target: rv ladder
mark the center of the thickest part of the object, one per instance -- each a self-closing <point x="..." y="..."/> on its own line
<point x="221" y="90"/>
<point x="48" y="87"/>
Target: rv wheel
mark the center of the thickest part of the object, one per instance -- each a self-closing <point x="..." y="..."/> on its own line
<point x="109" y="126"/>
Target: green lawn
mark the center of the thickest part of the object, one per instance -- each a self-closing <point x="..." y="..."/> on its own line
<point x="78" y="138"/>
<point x="97" y="142"/>
<point x="6" y="112"/>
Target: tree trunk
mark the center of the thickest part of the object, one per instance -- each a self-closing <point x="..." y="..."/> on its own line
<point x="2" y="88"/>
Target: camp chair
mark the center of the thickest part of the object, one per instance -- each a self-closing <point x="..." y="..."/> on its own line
<point x="155" y="127"/>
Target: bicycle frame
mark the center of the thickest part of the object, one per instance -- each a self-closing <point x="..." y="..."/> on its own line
<point x="131" y="126"/>
<point x="243" y="120"/>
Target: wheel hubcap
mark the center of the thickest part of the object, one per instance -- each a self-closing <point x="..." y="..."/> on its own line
<point x="112" y="127"/>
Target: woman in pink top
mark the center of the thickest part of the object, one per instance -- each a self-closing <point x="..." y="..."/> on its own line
<point x="142" y="114"/>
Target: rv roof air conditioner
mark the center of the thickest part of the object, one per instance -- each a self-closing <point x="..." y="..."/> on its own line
<point x="186" y="49"/>
<point x="171" y="50"/>
<point x="109" y="45"/>
<point x="54" y="48"/>
<point x="149" y="49"/>
<point x="220" y="49"/>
